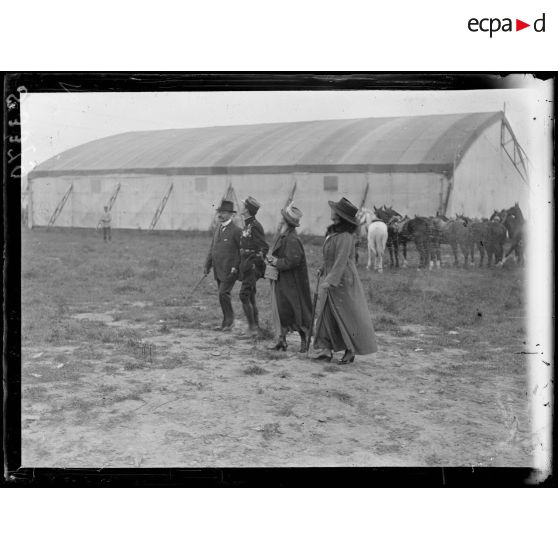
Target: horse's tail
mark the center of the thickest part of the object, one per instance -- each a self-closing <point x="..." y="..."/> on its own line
<point x="377" y="236"/>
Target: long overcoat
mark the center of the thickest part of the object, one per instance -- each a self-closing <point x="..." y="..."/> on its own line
<point x="292" y="289"/>
<point x="224" y="253"/>
<point x="345" y="295"/>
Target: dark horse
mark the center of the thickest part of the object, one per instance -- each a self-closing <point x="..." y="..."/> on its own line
<point x="489" y="235"/>
<point x="396" y="237"/>
<point x="514" y="222"/>
<point x="422" y="231"/>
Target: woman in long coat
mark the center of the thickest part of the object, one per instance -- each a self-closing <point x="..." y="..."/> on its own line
<point x="293" y="302"/>
<point x="343" y="320"/>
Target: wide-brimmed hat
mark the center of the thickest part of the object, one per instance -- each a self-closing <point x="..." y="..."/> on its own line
<point x="345" y="209"/>
<point x="226" y="205"/>
<point x="251" y="205"/>
<point x="292" y="215"/>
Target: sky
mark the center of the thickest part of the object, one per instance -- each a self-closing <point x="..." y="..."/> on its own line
<point x="54" y="122"/>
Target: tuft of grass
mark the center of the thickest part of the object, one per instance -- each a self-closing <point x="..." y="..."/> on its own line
<point x="153" y="262"/>
<point x="171" y="362"/>
<point x="340" y="396"/>
<point x="134" y="365"/>
<point x="255" y="370"/>
<point x="126" y="273"/>
<point x="403" y="332"/>
<point x="150" y="275"/>
<point x="266" y="332"/>
<point x="270" y="430"/>
<point x="122" y="289"/>
<point x="275" y="355"/>
<point x="286" y="411"/>
<point x="385" y="322"/>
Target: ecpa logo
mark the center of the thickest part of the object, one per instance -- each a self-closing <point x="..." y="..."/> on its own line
<point x="492" y="25"/>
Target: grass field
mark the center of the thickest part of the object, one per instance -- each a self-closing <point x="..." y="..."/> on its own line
<point x="118" y="370"/>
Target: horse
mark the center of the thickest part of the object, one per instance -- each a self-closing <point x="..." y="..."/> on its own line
<point x="514" y="223"/>
<point x="420" y="230"/>
<point x="396" y="238"/>
<point x="436" y="223"/>
<point x="489" y="235"/>
<point x="377" y="234"/>
<point x="457" y="234"/>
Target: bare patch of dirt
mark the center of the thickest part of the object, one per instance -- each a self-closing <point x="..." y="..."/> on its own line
<point x="216" y="400"/>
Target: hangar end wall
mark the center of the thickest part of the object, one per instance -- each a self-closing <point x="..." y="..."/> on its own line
<point x="486" y="179"/>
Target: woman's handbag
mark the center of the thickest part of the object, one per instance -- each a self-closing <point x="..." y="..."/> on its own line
<point x="271" y="272"/>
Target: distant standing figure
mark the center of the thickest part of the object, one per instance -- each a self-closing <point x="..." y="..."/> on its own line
<point x="224" y="257"/>
<point x="343" y="320"/>
<point x="292" y="288"/>
<point x="253" y="249"/>
<point x="105" y="224"/>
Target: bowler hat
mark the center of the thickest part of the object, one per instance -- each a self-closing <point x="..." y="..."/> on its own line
<point x="345" y="209"/>
<point x="226" y="205"/>
<point x="292" y="215"/>
<point x="251" y="205"/>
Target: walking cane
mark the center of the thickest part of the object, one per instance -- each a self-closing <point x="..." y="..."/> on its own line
<point x="314" y="304"/>
<point x="189" y="296"/>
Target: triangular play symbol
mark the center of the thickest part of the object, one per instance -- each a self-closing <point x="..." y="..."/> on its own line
<point x="519" y="25"/>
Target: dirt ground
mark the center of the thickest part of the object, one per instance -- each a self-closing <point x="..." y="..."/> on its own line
<point x="145" y="386"/>
<point x="236" y="404"/>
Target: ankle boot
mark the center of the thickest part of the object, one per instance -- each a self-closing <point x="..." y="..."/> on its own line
<point x="281" y="345"/>
<point x="303" y="342"/>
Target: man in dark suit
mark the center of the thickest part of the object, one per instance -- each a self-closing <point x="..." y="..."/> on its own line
<point x="253" y="249"/>
<point x="224" y="257"/>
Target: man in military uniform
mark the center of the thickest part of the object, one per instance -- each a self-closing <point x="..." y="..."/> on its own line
<point x="253" y="249"/>
<point x="224" y="257"/>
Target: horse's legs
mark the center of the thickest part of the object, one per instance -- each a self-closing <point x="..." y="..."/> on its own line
<point x="395" y="248"/>
<point x="489" y="255"/>
<point x="370" y="251"/>
<point x="481" y="252"/>
<point x="380" y="259"/>
<point x="500" y="253"/>
<point x="507" y="254"/>
<point x="390" y="248"/>
<point x="420" y="250"/>
<point x="430" y="254"/>
<point x="404" y="243"/>
<point x="454" y="250"/>
<point x="436" y="255"/>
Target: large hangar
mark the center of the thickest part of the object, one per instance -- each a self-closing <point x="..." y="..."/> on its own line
<point x="173" y="179"/>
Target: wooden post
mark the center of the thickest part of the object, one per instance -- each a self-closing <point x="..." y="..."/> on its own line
<point x="365" y="195"/>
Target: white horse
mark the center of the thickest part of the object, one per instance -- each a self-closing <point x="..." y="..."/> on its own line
<point x="377" y="234"/>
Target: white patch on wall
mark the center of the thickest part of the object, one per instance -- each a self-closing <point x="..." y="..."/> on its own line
<point x="331" y="183"/>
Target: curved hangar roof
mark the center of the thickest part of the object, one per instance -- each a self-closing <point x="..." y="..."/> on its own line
<point x="432" y="143"/>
